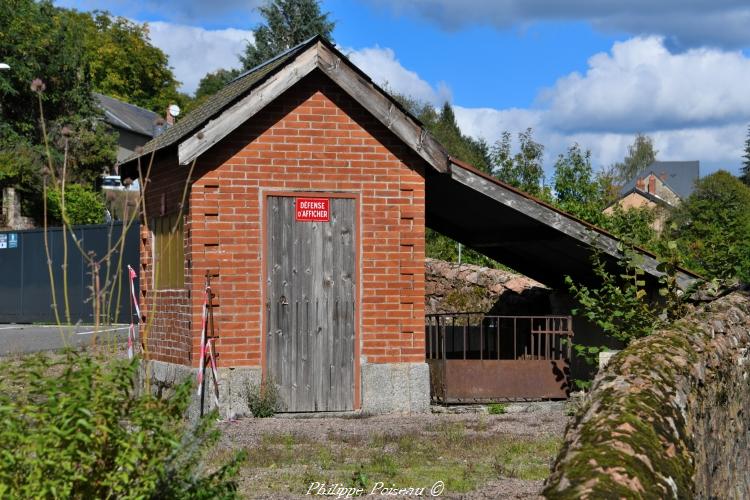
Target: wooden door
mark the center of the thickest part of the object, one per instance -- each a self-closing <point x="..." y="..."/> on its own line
<point x="310" y="305"/>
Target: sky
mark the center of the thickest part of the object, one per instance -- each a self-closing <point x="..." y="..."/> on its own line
<point x="592" y="72"/>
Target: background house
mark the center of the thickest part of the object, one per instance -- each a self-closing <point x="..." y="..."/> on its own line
<point x="661" y="186"/>
<point x="135" y="126"/>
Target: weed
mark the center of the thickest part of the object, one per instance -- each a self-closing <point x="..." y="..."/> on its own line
<point x="497" y="409"/>
<point x="359" y="479"/>
<point x="263" y="400"/>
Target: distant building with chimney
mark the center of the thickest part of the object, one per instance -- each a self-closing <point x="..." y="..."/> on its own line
<point x="661" y="186"/>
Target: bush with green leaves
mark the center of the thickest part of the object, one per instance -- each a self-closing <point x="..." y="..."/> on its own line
<point x="622" y="306"/>
<point x="82" y="205"/>
<point x="76" y="426"/>
<point x="263" y="399"/>
<point x="497" y="409"/>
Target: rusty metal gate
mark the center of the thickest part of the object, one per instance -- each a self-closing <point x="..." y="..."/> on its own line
<point x="478" y="358"/>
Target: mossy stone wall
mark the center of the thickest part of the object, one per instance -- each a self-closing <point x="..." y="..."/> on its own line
<point x="669" y="417"/>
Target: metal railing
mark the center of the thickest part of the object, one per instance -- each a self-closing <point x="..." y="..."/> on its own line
<point x="474" y="335"/>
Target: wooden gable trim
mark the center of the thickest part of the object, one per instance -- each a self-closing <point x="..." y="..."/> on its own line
<point x="383" y="108"/>
<point x="234" y="116"/>
<point x="337" y="69"/>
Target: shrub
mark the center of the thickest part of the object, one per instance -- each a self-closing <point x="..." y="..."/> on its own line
<point x="263" y="400"/>
<point x="621" y="306"/>
<point x="82" y="205"/>
<point x="497" y="409"/>
<point x="77" y="427"/>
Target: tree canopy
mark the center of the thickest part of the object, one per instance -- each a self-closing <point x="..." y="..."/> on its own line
<point x="640" y="155"/>
<point x="712" y="227"/>
<point x="524" y="169"/>
<point x="287" y="23"/>
<point x="123" y="63"/>
<point x="69" y="55"/>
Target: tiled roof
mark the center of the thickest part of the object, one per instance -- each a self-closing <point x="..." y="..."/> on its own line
<point x="127" y="116"/>
<point x="680" y="176"/>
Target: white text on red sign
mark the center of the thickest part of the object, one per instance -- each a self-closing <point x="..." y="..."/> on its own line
<point x="313" y="209"/>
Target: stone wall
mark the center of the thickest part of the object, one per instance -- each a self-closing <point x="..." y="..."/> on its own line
<point x="451" y="287"/>
<point x="670" y="415"/>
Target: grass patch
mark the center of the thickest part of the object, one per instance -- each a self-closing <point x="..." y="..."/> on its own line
<point x="461" y="454"/>
<point x="497" y="409"/>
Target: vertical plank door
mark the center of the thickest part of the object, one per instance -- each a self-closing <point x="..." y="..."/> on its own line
<point x="310" y="306"/>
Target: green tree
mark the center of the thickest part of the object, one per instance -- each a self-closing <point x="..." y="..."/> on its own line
<point x="577" y="190"/>
<point x="83" y="205"/>
<point x="213" y="82"/>
<point x="123" y="63"/>
<point x="39" y="40"/>
<point x="444" y="127"/>
<point x="522" y="170"/>
<point x="640" y="155"/>
<point x="712" y="227"/>
<point x="633" y="225"/>
<point x="287" y="23"/>
<point x="745" y="171"/>
<point x="43" y="44"/>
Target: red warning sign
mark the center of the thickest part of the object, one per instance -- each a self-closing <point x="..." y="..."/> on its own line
<point x="313" y="209"/>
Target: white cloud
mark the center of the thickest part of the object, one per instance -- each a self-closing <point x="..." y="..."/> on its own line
<point x="640" y="85"/>
<point x="385" y="70"/>
<point x="694" y="105"/>
<point x="195" y="51"/>
<point x="693" y="23"/>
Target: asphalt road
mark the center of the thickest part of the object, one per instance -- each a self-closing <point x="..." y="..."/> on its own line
<point x="19" y="339"/>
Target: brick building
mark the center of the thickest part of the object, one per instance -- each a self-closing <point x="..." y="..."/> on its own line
<point x="303" y="190"/>
<point x="346" y="291"/>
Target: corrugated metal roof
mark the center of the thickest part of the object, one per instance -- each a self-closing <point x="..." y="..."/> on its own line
<point x="128" y="116"/>
<point x="217" y="102"/>
<point x="680" y="176"/>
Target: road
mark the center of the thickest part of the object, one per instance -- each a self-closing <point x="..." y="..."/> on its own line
<point x="19" y="339"/>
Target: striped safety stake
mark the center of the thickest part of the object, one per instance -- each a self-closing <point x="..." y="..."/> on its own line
<point x="201" y="362"/>
<point x="131" y="331"/>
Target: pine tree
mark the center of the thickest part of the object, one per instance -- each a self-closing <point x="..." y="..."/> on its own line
<point x="287" y="23"/>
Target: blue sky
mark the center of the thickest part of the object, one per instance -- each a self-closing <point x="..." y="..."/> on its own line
<point x="589" y="71"/>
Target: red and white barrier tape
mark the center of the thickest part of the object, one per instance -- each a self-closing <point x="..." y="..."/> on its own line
<point x="131" y="331"/>
<point x="207" y="351"/>
<point x="201" y="362"/>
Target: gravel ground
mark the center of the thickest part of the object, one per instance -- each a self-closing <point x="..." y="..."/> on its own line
<point x="521" y="420"/>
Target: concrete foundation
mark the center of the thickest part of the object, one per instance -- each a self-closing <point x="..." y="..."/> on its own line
<point x="386" y="387"/>
<point x="395" y="387"/>
<point x="233" y="387"/>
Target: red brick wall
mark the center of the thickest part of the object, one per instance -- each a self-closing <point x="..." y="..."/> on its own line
<point x="167" y="332"/>
<point x="313" y="138"/>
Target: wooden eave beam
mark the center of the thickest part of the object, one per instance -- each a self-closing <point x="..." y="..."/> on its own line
<point x="383" y="108"/>
<point x="234" y="116"/>
<point x="566" y="225"/>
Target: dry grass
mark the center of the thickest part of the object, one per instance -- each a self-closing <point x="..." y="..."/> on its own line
<point x="465" y="453"/>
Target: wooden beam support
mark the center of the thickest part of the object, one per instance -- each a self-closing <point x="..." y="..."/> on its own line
<point x="383" y="108"/>
<point x="555" y="220"/>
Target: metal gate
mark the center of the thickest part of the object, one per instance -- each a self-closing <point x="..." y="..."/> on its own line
<point x="25" y="293"/>
<point x="310" y="304"/>
<point x="478" y="358"/>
